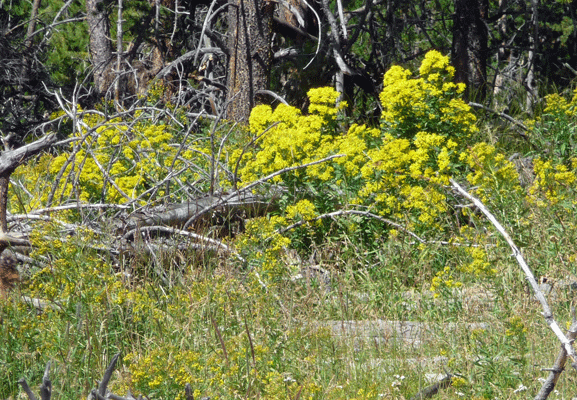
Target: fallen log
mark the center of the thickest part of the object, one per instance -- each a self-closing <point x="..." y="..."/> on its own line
<point x="245" y="205"/>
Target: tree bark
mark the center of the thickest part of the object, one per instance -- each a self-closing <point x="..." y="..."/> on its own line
<point x="100" y="44"/>
<point x="32" y="23"/>
<point x="249" y="44"/>
<point x="532" y="56"/>
<point x="469" y="48"/>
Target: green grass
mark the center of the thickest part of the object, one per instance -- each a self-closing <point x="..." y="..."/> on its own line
<point x="239" y="326"/>
<point x="218" y="329"/>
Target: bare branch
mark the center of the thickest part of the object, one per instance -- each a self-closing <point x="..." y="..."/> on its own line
<point x="558" y="367"/>
<point x="432" y="390"/>
<point x="46" y="387"/>
<point x="158" y="228"/>
<point x="547" y="314"/>
<point x="225" y="199"/>
<point x="502" y="115"/>
<point x="353" y="212"/>
<point x="27" y="389"/>
<point x="272" y="94"/>
<point x="107" y="375"/>
<point x="10" y="160"/>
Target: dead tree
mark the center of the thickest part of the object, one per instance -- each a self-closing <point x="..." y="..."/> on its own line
<point x="250" y="54"/>
<point x="9" y="161"/>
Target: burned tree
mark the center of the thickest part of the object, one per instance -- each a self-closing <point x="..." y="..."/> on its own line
<point x="250" y="34"/>
<point x="469" y="47"/>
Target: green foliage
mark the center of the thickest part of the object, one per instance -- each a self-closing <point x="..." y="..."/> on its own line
<point x="68" y="57"/>
<point x="243" y="324"/>
<point x="396" y="171"/>
<point x="554" y="133"/>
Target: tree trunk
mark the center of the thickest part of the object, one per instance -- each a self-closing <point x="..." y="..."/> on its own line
<point x="469" y="48"/>
<point x="100" y="44"/>
<point x="249" y="44"/>
<point x="532" y="57"/>
<point x="32" y="23"/>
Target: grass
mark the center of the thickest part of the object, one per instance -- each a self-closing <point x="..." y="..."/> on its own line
<point x="218" y="329"/>
<point x="240" y="326"/>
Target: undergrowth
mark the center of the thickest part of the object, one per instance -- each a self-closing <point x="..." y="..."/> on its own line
<point x="253" y="321"/>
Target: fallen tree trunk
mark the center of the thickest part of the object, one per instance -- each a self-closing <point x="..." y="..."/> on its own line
<point x="246" y="205"/>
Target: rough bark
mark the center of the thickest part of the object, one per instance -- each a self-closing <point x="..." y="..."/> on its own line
<point x="469" y="47"/>
<point x="250" y="60"/>
<point x="100" y="44"/>
<point x="532" y="56"/>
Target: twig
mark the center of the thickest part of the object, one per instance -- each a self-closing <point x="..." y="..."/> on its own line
<point x="502" y="115"/>
<point x="26" y="389"/>
<point x="353" y="212"/>
<point x="377" y="217"/>
<point x="221" y="340"/>
<point x="107" y="375"/>
<point x="46" y="387"/>
<point x="65" y="207"/>
<point x="547" y="314"/>
<point x="319" y="41"/>
<point x="272" y="94"/>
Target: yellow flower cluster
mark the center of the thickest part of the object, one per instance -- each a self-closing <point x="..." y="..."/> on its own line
<point x="428" y="103"/>
<point x="125" y="160"/>
<point x="116" y="161"/>
<point x="404" y="175"/>
<point x="556" y="103"/>
<point x="515" y="327"/>
<point x="263" y="246"/>
<point x="443" y="282"/>
<point x="304" y="209"/>
<point x="493" y="176"/>
<point x="553" y="183"/>
<point x="397" y="169"/>
<point x="291" y="138"/>
<point x="479" y="265"/>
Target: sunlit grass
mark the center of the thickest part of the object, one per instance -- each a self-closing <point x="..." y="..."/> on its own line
<point x="220" y="330"/>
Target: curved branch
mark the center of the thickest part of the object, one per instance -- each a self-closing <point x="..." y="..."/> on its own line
<point x="547" y="314"/>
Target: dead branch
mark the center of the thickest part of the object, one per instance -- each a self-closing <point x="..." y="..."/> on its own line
<point x="502" y="115"/>
<point x="248" y="188"/>
<point x="45" y="388"/>
<point x="157" y="228"/>
<point x="107" y="375"/>
<point x="558" y="367"/>
<point x="10" y="160"/>
<point x="547" y="314"/>
<point x="353" y="212"/>
<point x="101" y="393"/>
<point x="177" y="215"/>
<point x="432" y="390"/>
<point x="27" y="389"/>
<point x="377" y="217"/>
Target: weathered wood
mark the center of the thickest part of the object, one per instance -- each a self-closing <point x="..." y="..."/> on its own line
<point x="558" y="367"/>
<point x="432" y="390"/>
<point x="9" y="161"/>
<point x="177" y="215"/>
<point x="46" y="387"/>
